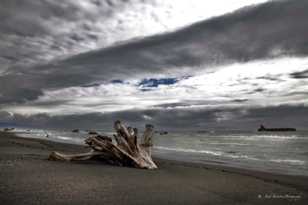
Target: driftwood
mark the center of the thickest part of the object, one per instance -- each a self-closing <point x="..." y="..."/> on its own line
<point x="124" y="152"/>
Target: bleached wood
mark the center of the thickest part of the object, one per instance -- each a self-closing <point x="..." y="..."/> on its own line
<point x="124" y="152"/>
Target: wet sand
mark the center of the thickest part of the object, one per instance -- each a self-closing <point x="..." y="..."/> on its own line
<point x="27" y="177"/>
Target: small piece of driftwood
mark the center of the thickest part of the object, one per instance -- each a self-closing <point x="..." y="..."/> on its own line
<point x="125" y="151"/>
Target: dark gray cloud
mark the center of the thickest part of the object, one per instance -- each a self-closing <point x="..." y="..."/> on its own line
<point x="300" y="75"/>
<point x="36" y="31"/>
<point x="266" y="31"/>
<point x="269" y="30"/>
<point x="237" y="119"/>
<point x="32" y="34"/>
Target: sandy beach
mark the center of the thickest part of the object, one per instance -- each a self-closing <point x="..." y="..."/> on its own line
<point x="27" y="177"/>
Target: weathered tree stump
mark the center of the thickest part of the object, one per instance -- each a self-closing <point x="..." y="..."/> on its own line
<point x="124" y="152"/>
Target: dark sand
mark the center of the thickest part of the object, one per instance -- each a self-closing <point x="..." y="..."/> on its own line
<point x="27" y="177"/>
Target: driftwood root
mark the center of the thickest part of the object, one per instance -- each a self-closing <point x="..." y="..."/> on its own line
<point x="124" y="152"/>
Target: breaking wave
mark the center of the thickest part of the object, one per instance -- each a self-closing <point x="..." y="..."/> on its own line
<point x="216" y="153"/>
<point x="289" y="161"/>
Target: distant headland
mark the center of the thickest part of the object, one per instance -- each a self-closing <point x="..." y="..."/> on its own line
<point x="264" y="129"/>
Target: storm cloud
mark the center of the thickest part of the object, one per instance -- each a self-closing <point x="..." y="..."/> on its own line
<point x="172" y="120"/>
<point x="72" y="60"/>
<point x="266" y="31"/>
<point x="38" y="31"/>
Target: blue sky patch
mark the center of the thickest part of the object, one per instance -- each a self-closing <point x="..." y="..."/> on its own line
<point x="154" y="83"/>
<point x="117" y="81"/>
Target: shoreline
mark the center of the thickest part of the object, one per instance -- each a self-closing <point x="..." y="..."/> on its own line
<point x="297" y="181"/>
<point x="223" y="184"/>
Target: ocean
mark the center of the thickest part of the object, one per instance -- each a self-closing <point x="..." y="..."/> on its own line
<point x="275" y="152"/>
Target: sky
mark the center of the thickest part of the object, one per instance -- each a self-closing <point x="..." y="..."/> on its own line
<point x="180" y="65"/>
